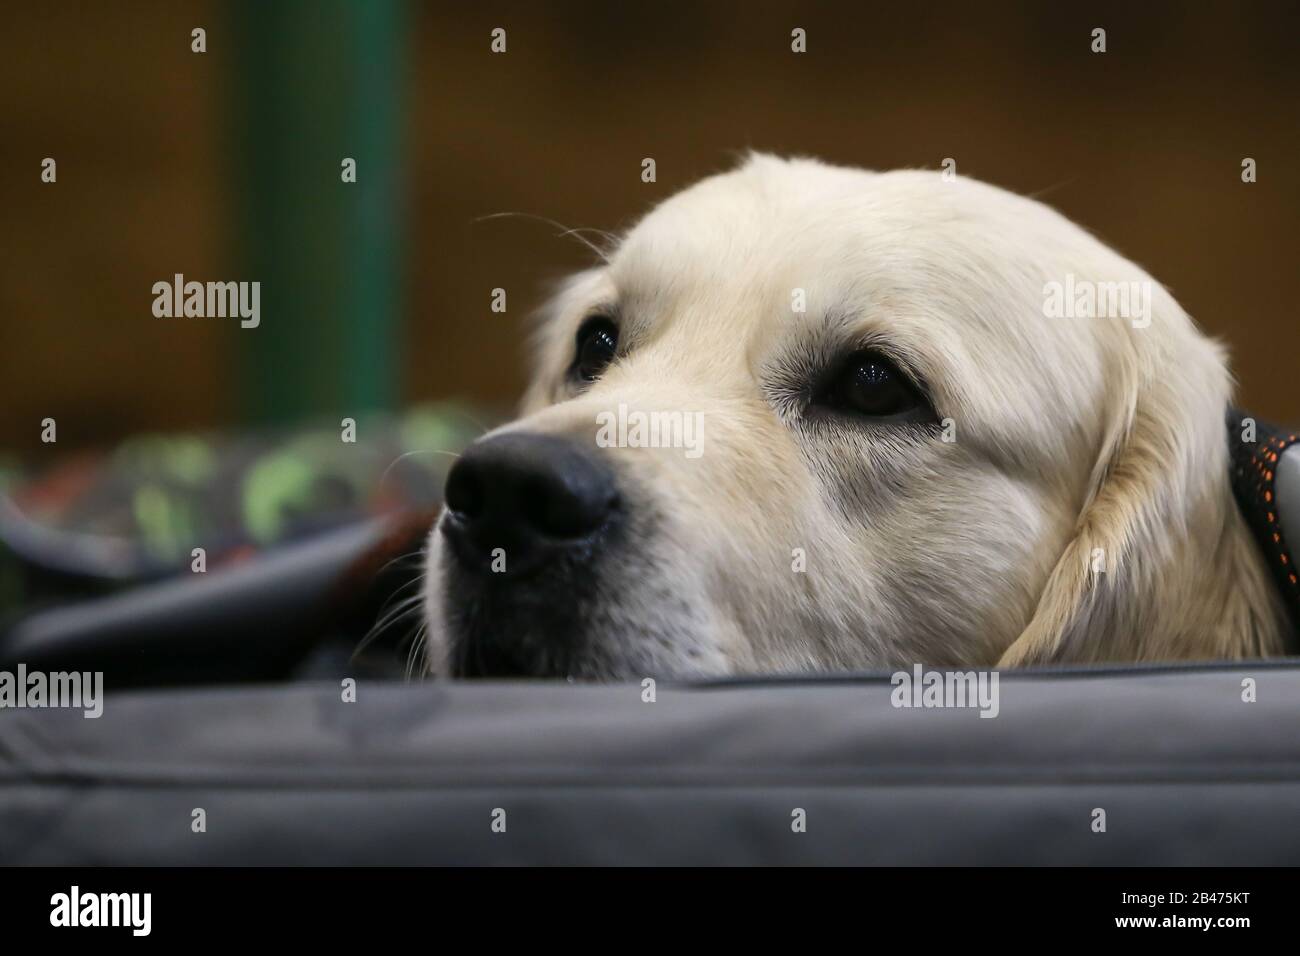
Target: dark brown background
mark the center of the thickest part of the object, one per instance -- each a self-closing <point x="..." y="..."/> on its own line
<point x="1142" y="145"/>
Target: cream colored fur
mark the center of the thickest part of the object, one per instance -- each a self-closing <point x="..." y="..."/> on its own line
<point x="1081" y="513"/>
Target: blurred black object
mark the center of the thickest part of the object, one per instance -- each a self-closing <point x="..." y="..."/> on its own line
<point x="303" y="610"/>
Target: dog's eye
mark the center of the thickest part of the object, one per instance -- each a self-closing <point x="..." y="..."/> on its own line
<point x="597" y="343"/>
<point x="870" y="384"/>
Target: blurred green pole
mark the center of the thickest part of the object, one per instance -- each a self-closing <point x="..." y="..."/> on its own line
<point x="318" y="82"/>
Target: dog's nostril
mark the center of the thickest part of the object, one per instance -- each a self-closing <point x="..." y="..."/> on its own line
<point x="559" y="509"/>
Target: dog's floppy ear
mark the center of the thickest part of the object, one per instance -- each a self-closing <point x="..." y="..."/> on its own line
<point x="1160" y="564"/>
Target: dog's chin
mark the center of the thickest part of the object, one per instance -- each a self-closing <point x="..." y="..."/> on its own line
<point x="559" y="624"/>
<point x="504" y="631"/>
<point x="503" y="639"/>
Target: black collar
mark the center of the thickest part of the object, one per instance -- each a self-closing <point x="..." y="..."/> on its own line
<point x="1256" y="450"/>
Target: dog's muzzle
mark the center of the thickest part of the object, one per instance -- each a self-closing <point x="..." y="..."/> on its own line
<point x="527" y="517"/>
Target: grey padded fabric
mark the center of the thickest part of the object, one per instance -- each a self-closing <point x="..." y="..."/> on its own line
<point x="1185" y="770"/>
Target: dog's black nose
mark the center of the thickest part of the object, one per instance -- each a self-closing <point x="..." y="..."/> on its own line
<point x="528" y="495"/>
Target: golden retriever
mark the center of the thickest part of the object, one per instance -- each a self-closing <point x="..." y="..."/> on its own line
<point x="808" y="418"/>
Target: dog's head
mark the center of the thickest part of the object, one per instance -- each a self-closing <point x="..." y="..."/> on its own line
<point x="813" y="418"/>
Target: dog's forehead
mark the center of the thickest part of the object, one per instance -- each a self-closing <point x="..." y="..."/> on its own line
<point x="747" y="256"/>
<point x="737" y="225"/>
<point x="819" y="237"/>
<point x="950" y="273"/>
